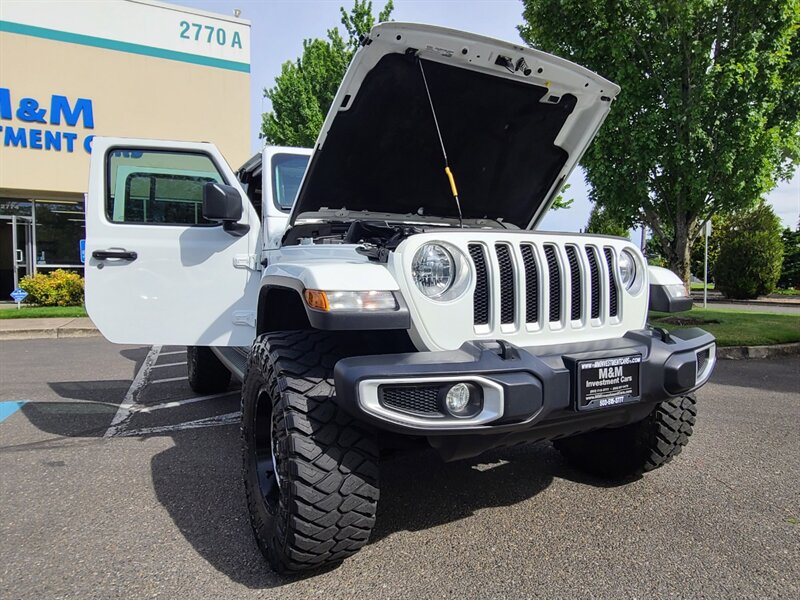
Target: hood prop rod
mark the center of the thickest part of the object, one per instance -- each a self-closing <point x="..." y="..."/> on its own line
<point x="447" y="170"/>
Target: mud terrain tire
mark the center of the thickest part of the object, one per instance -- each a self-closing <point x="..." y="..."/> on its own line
<point x="321" y="507"/>
<point x="207" y="375"/>
<point x="629" y="451"/>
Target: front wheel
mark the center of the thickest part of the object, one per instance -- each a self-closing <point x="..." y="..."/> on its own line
<point x="310" y="470"/>
<point x="636" y="448"/>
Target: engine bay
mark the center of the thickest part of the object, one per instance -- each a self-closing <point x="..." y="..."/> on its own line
<point x="377" y="238"/>
<point x="380" y="229"/>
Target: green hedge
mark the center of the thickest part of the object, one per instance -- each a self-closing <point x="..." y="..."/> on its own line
<point x="57" y="288"/>
<point x="750" y="254"/>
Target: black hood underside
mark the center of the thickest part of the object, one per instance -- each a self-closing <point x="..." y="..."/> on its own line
<point x="383" y="153"/>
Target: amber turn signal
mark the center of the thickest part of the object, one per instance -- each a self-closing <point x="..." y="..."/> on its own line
<point x="317" y="299"/>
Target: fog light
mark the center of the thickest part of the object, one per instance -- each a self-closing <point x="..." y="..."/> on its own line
<point x="462" y="400"/>
<point x="457" y="398"/>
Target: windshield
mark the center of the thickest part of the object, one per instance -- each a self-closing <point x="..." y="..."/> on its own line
<point x="287" y="173"/>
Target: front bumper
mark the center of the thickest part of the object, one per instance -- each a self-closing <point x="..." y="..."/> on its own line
<point x="525" y="390"/>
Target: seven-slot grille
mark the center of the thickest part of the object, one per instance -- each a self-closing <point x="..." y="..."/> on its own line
<point x="574" y="268"/>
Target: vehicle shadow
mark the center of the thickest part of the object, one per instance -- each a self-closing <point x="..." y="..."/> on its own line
<point x="198" y="481"/>
<point x="88" y="407"/>
<point x="74" y="419"/>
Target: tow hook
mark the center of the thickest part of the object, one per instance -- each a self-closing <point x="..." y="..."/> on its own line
<point x="502" y="348"/>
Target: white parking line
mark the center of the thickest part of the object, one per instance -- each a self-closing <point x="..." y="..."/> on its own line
<point x="151" y="407"/>
<point x="226" y="419"/>
<point x="177" y="364"/>
<point x="170" y="379"/>
<point x="173" y="352"/>
<point x="139" y="381"/>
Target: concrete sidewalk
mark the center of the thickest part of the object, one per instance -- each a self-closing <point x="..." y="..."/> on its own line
<point x="762" y="307"/>
<point x="717" y="300"/>
<point x="28" y="329"/>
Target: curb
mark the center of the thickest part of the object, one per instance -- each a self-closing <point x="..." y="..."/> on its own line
<point x="44" y="334"/>
<point x="748" y="352"/>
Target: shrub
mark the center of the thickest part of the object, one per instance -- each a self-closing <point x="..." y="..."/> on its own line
<point x="790" y="271"/>
<point x="750" y="254"/>
<point x="57" y="288"/>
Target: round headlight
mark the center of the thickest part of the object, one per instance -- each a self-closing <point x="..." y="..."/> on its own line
<point x="627" y="269"/>
<point x="433" y="270"/>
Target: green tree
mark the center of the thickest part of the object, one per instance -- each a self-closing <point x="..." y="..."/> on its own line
<point x="304" y="90"/>
<point x="708" y="118"/>
<point x="560" y="201"/>
<point x="602" y="221"/>
<point x="790" y="271"/>
<point x="750" y="253"/>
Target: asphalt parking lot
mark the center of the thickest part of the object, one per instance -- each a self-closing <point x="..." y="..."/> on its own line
<point x="117" y="482"/>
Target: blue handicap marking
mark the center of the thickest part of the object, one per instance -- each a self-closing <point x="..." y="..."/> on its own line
<point x="19" y="295"/>
<point x="9" y="408"/>
<point x="82" y="246"/>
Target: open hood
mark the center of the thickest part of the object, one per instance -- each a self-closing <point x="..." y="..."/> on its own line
<point x="514" y="123"/>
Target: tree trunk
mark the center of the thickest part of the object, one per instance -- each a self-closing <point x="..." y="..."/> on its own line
<point x="680" y="259"/>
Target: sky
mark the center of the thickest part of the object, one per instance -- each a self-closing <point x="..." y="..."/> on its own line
<point x="278" y="28"/>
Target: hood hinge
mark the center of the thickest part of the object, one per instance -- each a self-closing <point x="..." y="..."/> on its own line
<point x="244" y="317"/>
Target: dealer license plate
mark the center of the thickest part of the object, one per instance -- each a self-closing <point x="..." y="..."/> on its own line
<point x="608" y="381"/>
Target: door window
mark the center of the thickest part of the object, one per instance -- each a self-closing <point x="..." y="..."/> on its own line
<point x="156" y="187"/>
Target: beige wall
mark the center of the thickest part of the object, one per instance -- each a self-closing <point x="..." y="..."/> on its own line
<point x="132" y="96"/>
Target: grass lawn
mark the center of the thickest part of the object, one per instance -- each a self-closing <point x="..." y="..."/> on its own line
<point x="699" y="286"/>
<point x="735" y="327"/>
<point x="787" y="292"/>
<point x="28" y="312"/>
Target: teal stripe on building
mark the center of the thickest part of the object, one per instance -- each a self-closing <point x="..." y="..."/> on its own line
<point x="96" y="42"/>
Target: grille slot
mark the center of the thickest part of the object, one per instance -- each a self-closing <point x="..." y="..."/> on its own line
<point x="531" y="284"/>
<point x="702" y="361"/>
<point x="576" y="301"/>
<point x="613" y="308"/>
<point x="594" y="274"/>
<point x="421" y="400"/>
<point x="481" y="297"/>
<point x="507" y="308"/>
<point x="555" y="282"/>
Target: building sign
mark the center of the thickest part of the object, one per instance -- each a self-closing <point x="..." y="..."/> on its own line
<point x="27" y="115"/>
<point x="71" y="70"/>
<point x="135" y="27"/>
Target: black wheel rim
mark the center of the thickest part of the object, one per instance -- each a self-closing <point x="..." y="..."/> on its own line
<point x="265" y="461"/>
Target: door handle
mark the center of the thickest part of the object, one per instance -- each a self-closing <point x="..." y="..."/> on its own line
<point x="121" y="253"/>
<point x="20" y="256"/>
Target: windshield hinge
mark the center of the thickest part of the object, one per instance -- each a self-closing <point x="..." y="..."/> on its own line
<point x="246" y="261"/>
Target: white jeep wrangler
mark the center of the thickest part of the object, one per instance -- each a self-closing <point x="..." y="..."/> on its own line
<point x="368" y="303"/>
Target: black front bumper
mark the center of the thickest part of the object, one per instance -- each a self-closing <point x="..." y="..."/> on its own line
<point x="539" y="398"/>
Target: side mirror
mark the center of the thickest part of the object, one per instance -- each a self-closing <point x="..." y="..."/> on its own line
<point x="221" y="202"/>
<point x="224" y="204"/>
